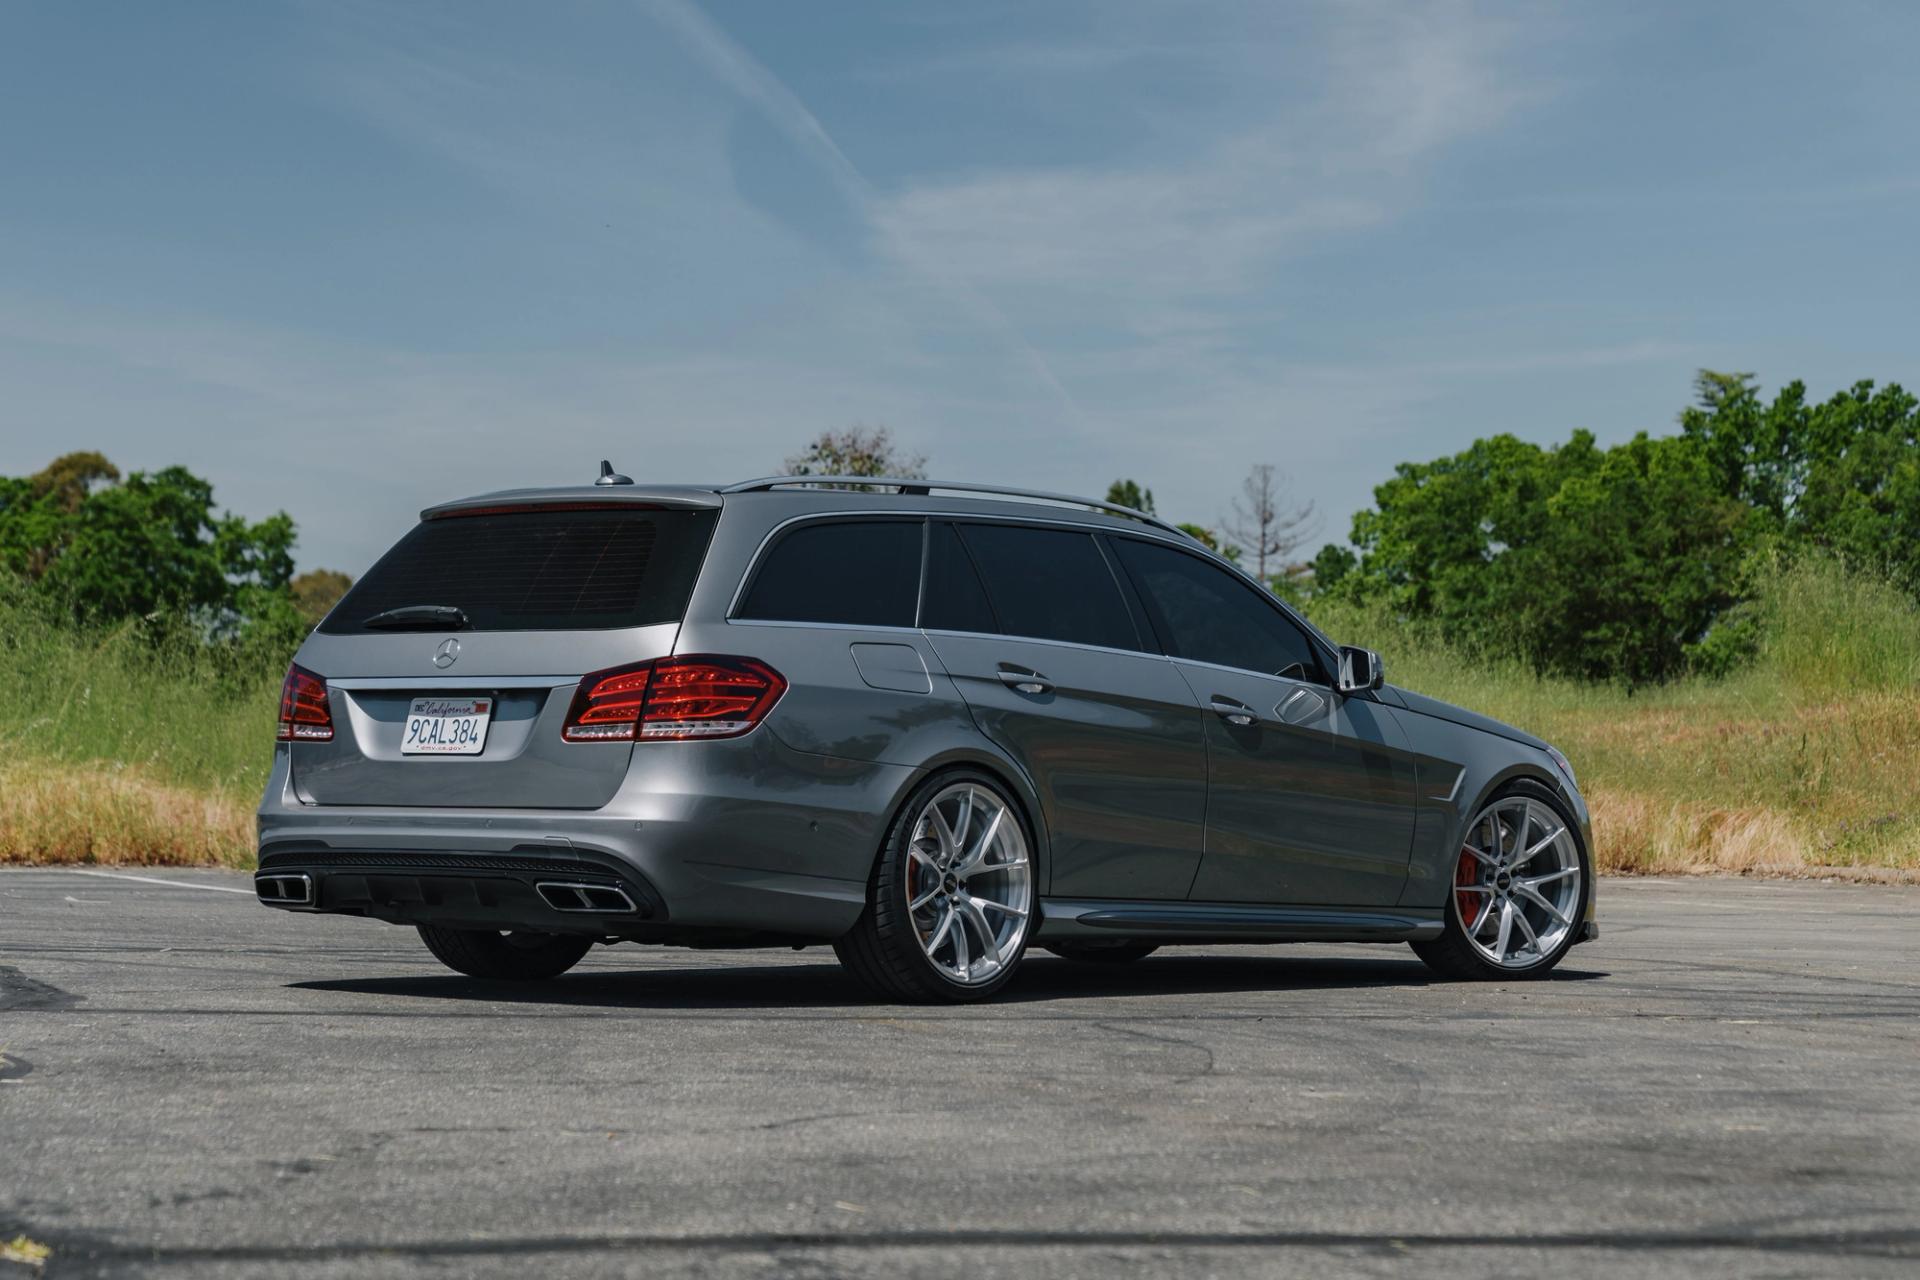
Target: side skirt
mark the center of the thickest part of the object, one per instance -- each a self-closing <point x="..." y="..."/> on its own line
<point x="1065" y="918"/>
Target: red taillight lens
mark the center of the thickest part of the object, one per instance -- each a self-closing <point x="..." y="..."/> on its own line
<point x="706" y="697"/>
<point x="699" y="696"/>
<point x="305" y="714"/>
<point x="607" y="705"/>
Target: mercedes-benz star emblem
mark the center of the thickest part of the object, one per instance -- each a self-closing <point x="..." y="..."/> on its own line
<point x="447" y="654"/>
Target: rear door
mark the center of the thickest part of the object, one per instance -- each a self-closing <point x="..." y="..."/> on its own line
<point x="1041" y="640"/>
<point x="1310" y="796"/>
<point x="545" y="595"/>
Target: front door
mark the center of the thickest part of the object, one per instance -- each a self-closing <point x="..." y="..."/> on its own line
<point x="1033" y="627"/>
<point x="1310" y="794"/>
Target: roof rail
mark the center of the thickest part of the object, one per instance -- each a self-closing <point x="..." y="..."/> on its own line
<point x="915" y="486"/>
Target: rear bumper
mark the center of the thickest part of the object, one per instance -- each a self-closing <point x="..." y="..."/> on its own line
<point x="715" y="843"/>
<point x="595" y="897"/>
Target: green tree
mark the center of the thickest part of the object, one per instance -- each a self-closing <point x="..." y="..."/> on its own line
<point x="1842" y="476"/>
<point x="1581" y="561"/>
<point x="857" y="451"/>
<point x="69" y="478"/>
<point x="316" y="591"/>
<point x="1331" y="565"/>
<point x="148" y="544"/>
<point x="1127" y="493"/>
<point x="1209" y="539"/>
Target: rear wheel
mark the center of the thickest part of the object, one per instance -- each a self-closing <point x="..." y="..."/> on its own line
<point x="516" y="956"/>
<point x="951" y="899"/>
<point x="1103" y="952"/>
<point x="1519" y="891"/>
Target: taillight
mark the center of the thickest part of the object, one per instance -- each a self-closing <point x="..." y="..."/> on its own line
<point x="607" y="705"/>
<point x="698" y="696"/>
<point x="305" y="714"/>
<point x="705" y="697"/>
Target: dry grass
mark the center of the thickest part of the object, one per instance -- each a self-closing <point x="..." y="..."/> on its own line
<point x="1637" y="834"/>
<point x="97" y="813"/>
<point x="1718" y="787"/>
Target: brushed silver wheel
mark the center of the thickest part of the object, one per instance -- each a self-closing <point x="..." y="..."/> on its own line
<point x="969" y="883"/>
<point x="1517" y="886"/>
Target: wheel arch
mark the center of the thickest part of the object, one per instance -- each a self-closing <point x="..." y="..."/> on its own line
<point x="990" y="760"/>
<point x="1516" y="776"/>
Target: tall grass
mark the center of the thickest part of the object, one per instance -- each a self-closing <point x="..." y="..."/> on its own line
<point x="133" y="696"/>
<point x="127" y="744"/>
<point x="1827" y="631"/>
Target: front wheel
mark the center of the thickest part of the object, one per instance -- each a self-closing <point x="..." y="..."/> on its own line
<point x="951" y="899"/>
<point x="1519" y="891"/>
<point x="516" y="956"/>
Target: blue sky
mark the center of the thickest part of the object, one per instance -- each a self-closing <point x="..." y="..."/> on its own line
<point x="347" y="259"/>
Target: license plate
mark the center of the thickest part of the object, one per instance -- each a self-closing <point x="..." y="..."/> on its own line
<point x="446" y="727"/>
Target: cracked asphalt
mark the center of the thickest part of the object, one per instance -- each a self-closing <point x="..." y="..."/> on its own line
<point x="193" y="1085"/>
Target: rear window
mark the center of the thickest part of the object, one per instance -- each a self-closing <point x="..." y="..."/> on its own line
<point x="1051" y="584"/>
<point x="855" y="573"/>
<point x="538" y="570"/>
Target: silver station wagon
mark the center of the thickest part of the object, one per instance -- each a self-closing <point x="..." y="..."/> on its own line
<point x="929" y="724"/>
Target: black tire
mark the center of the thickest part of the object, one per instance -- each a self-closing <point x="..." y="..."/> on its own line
<point x="1451" y="956"/>
<point x="1103" y="952"/>
<point x="882" y="950"/>
<point x="516" y="957"/>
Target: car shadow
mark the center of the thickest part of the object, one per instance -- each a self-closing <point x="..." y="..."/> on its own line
<point x="747" y="985"/>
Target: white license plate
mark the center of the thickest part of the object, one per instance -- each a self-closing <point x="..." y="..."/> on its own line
<point x="446" y="727"/>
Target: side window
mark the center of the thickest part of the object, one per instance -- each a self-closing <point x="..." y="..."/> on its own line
<point x="1209" y="615"/>
<point x="861" y="573"/>
<point x="955" y="600"/>
<point x="1051" y="584"/>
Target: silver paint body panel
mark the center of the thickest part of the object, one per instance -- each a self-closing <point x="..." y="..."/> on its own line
<point x="1334" y="817"/>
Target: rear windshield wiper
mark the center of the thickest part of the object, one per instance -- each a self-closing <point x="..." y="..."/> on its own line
<point x="429" y="617"/>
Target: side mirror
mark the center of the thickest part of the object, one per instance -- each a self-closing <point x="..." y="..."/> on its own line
<point x="1360" y="669"/>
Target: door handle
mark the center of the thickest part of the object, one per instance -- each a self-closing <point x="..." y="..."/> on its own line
<point x="1022" y="680"/>
<point x="1234" y="713"/>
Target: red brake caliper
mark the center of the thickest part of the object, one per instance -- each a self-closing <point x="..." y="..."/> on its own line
<point x="1470" y="904"/>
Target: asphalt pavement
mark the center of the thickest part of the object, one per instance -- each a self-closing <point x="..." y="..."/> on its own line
<point x="1727" y="1083"/>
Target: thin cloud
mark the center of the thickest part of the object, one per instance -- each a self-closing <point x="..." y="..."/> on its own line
<point x="753" y="81"/>
<point x="1399" y="87"/>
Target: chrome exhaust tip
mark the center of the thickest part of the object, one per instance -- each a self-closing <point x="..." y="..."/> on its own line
<point x="284" y="889"/>
<point x="603" y="899"/>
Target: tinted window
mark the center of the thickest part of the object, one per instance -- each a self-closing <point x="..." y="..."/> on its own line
<point x="1209" y="615"/>
<point x="955" y="600"/>
<point x="1052" y="584"/>
<point x="860" y="573"/>
<point x="539" y="570"/>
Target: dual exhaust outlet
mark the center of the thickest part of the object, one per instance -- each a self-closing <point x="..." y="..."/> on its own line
<point x="295" y="889"/>
<point x="604" y="899"/>
<point x="284" y="890"/>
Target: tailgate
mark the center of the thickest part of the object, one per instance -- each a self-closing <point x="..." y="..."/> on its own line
<point x="523" y="764"/>
<point x="478" y="626"/>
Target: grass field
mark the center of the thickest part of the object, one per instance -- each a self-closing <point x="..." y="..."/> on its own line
<point x="114" y="749"/>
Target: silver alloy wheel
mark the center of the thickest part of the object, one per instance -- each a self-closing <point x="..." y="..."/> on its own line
<point x="969" y="882"/>
<point x="1517" y="885"/>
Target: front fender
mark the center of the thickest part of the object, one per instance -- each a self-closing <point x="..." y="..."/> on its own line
<point x="1460" y="769"/>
